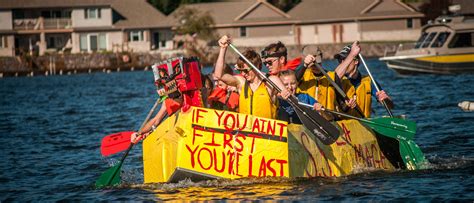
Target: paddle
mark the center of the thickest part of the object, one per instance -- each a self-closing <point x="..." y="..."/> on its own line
<point x="409" y="150"/>
<point x="114" y="143"/>
<point x="392" y="127"/>
<point x="338" y="89"/>
<point x="112" y="175"/>
<point x="375" y="84"/>
<point x="315" y="123"/>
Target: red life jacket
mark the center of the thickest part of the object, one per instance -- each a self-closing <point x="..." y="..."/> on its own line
<point x="171" y="106"/>
<point x="230" y="99"/>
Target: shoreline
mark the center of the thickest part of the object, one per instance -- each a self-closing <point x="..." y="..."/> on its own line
<point x="67" y="64"/>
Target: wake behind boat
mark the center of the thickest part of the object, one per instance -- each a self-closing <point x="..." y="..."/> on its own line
<point x="445" y="46"/>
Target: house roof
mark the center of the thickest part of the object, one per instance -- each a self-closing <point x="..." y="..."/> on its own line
<point x="310" y="11"/>
<point x="135" y="13"/>
<point x="139" y="14"/>
<point x="19" y="4"/>
<point x="238" y="12"/>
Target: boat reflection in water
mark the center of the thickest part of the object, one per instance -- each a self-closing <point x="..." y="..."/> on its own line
<point x="445" y="46"/>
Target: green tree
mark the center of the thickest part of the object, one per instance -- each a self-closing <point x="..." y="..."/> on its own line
<point x="192" y="21"/>
<point x="284" y="5"/>
<point x="168" y="6"/>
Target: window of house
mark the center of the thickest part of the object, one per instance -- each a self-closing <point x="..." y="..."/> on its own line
<point x="92" y="13"/>
<point x="50" y="43"/>
<point x="428" y="40"/>
<point x="243" y="31"/>
<point x="83" y="42"/>
<point x="441" y="39"/>
<point x="462" y="40"/>
<point x="93" y="42"/>
<point x="409" y="23"/>
<point x="1" y="42"/>
<point x="102" y="42"/>
<point x="136" y="36"/>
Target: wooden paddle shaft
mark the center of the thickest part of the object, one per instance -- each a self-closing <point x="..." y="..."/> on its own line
<point x="375" y="84"/>
<point x="338" y="89"/>
<point x="149" y="115"/>
<point x="292" y="100"/>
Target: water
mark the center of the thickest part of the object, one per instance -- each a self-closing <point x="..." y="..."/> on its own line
<point x="51" y="129"/>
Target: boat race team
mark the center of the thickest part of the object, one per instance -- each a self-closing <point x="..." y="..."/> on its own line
<point x="306" y="79"/>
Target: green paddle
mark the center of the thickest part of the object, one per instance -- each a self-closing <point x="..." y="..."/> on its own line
<point x="391" y="127"/>
<point x="409" y="150"/>
<point x="111" y="176"/>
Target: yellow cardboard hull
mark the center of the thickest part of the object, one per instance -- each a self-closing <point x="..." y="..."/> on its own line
<point x="206" y="143"/>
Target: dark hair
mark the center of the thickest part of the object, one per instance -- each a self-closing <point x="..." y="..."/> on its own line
<point x="207" y="79"/>
<point x="252" y="56"/>
<point x="275" y="50"/>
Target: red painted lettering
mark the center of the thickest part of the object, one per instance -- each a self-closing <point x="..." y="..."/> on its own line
<point x="215" y="162"/>
<point x="227" y="140"/>
<point x="210" y="158"/>
<point x="219" y="117"/>
<point x="226" y="123"/>
<point x="269" y="167"/>
<point x="192" y="154"/>
<point x="271" y="128"/>
<point x="239" y="127"/>
<point x="282" y="166"/>
<point x="195" y="135"/>
<point x="198" y="114"/>
<point x="262" y="130"/>
<point x="263" y="168"/>
<point x="282" y="129"/>
<point x="256" y="126"/>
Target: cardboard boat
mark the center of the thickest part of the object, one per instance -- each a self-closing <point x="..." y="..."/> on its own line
<point x="202" y="143"/>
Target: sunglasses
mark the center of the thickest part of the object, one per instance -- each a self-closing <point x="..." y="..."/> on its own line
<point x="269" y="63"/>
<point x="244" y="70"/>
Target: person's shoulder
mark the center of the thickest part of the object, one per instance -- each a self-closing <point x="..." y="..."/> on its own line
<point x="304" y="97"/>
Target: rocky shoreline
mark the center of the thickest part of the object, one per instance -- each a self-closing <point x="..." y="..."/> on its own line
<point x="59" y="64"/>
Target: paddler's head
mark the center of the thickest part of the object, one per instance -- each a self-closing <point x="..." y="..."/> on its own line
<point x="352" y="69"/>
<point x="318" y="58"/>
<point x="274" y="57"/>
<point x="245" y="69"/>
<point x="289" y="80"/>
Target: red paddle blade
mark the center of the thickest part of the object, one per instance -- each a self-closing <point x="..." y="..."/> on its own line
<point x="115" y="143"/>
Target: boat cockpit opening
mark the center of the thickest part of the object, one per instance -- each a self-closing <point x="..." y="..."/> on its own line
<point x="440" y="39"/>
<point x="462" y="40"/>
<point x="428" y="40"/>
<point x="421" y="40"/>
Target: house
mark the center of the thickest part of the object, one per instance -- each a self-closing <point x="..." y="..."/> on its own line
<point x="249" y="22"/>
<point x="258" y="23"/>
<point x="343" y="21"/>
<point x="81" y="26"/>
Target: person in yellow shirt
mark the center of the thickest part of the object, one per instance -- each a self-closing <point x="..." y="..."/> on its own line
<point x="256" y="97"/>
<point x="313" y="82"/>
<point x="361" y="88"/>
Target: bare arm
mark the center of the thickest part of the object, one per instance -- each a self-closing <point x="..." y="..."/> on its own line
<point x="277" y="81"/>
<point x="342" y="67"/>
<point x="155" y="120"/>
<point x="220" y="64"/>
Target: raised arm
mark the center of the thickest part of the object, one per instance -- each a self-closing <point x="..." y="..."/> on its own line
<point x="220" y="64"/>
<point x="277" y="81"/>
<point x="342" y="67"/>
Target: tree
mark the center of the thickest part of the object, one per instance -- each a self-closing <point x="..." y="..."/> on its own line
<point x="284" y="5"/>
<point x="195" y="23"/>
<point x="195" y="31"/>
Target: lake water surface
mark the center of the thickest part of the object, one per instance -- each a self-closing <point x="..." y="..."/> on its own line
<point x="51" y="127"/>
